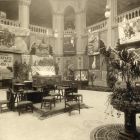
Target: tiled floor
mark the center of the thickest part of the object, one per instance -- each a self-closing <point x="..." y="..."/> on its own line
<point x="29" y="126"/>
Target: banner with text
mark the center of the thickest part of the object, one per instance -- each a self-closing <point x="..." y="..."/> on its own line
<point x="6" y="66"/>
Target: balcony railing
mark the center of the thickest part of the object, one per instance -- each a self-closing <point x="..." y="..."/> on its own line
<point x="128" y="15"/>
<point x="9" y="22"/>
<point x="41" y="30"/>
<point x="33" y="28"/>
<point x="98" y="26"/>
<point x="69" y="32"/>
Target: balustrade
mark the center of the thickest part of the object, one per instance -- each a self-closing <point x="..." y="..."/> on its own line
<point x="41" y="30"/>
<point x="98" y="26"/>
<point x="9" y="22"/>
<point x="69" y="32"/>
<point x="128" y="15"/>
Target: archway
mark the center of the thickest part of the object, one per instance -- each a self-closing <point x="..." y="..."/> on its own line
<point x="69" y="18"/>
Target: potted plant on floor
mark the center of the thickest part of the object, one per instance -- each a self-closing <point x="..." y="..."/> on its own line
<point x="125" y="69"/>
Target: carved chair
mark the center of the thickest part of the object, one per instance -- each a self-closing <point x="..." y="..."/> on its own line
<point x="71" y="102"/>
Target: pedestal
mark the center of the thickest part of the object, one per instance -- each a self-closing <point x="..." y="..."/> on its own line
<point x="130" y="131"/>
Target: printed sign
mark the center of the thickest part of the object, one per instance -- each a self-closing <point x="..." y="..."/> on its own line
<point x="129" y="30"/>
<point x="6" y="66"/>
<point x="6" y="60"/>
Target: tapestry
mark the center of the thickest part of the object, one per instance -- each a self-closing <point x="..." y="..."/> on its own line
<point x="94" y="62"/>
<point x="129" y="30"/>
<point x="93" y="43"/>
<point x="69" y="64"/>
<point x="6" y="65"/>
<point x="41" y="49"/>
<point x="42" y="61"/>
<point x="69" y="45"/>
<point x="11" y="42"/>
<point x="43" y="66"/>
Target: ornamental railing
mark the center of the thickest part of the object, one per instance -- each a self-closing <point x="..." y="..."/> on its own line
<point x="98" y="26"/>
<point x="33" y="28"/>
<point x="41" y="30"/>
<point x="128" y="15"/>
<point x="9" y="22"/>
<point x="69" y="32"/>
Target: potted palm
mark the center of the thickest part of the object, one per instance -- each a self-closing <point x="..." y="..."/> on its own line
<point x="124" y="66"/>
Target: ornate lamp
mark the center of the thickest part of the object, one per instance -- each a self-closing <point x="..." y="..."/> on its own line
<point x="107" y="11"/>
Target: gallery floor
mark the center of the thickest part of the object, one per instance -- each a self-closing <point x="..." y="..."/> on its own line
<point x="30" y="126"/>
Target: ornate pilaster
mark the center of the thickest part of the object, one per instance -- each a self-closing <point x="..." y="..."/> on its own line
<point x="58" y="27"/>
<point x="80" y="31"/>
<point x="112" y="6"/>
<point x="24" y="13"/>
<point x="25" y="2"/>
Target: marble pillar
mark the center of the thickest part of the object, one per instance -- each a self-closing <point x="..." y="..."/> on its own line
<point x="112" y="5"/>
<point x="80" y="31"/>
<point x="24" y="14"/>
<point x="58" y="27"/>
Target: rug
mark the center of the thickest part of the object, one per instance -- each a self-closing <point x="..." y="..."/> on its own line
<point x="107" y="132"/>
<point x="51" y="113"/>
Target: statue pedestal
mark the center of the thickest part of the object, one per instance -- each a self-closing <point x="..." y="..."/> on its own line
<point x="130" y="110"/>
<point x="130" y="131"/>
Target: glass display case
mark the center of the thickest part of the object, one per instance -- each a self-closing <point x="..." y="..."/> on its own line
<point x="81" y="77"/>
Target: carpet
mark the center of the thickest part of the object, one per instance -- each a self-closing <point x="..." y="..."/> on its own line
<point x="57" y="111"/>
<point x="107" y="132"/>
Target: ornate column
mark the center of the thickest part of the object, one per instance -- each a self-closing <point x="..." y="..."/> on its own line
<point x="111" y="13"/>
<point x="24" y="13"/>
<point x="58" y="27"/>
<point x="80" y="31"/>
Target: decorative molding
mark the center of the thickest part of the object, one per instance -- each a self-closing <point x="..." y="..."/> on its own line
<point x="58" y="13"/>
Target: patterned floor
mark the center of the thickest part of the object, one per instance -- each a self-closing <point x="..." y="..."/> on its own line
<point x="110" y="132"/>
<point x="106" y="132"/>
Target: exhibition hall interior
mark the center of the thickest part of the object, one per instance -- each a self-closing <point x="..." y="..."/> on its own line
<point x="69" y="69"/>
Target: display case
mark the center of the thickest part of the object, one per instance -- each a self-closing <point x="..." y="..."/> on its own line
<point x="81" y="77"/>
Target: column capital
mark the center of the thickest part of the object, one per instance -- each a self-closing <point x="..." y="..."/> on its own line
<point x="25" y="2"/>
<point x="58" y="13"/>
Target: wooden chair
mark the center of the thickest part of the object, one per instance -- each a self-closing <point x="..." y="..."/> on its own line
<point x="71" y="102"/>
<point x="75" y="93"/>
<point x="56" y="95"/>
<point x="6" y="102"/>
<point x="47" y="99"/>
<point x="23" y="104"/>
<point x="3" y="102"/>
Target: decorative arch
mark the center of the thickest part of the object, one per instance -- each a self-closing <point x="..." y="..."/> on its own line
<point x="69" y="17"/>
<point x="69" y="7"/>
